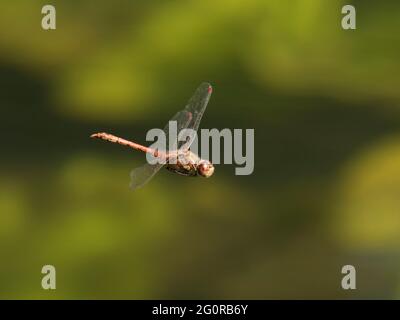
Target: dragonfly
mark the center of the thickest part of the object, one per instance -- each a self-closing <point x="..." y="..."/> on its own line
<point x="180" y="160"/>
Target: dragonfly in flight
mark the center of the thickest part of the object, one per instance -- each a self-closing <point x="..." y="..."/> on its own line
<point x="182" y="160"/>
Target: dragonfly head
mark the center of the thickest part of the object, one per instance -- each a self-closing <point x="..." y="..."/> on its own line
<point x="205" y="168"/>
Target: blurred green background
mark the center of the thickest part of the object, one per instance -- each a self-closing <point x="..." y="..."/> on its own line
<point x="325" y="106"/>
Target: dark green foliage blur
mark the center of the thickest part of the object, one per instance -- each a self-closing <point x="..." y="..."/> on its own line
<point x="325" y="106"/>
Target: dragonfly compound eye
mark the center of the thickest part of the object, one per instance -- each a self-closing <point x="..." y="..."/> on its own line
<point x="205" y="169"/>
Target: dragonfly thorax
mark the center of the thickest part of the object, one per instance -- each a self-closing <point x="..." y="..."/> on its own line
<point x="188" y="163"/>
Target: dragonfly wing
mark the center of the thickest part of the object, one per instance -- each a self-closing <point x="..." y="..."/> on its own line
<point x="182" y="119"/>
<point x="141" y="175"/>
<point x="190" y="117"/>
<point x="197" y="105"/>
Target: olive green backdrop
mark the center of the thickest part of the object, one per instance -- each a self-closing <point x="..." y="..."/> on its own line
<point x="325" y="106"/>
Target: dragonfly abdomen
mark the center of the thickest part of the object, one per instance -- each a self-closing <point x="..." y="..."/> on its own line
<point x="111" y="138"/>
